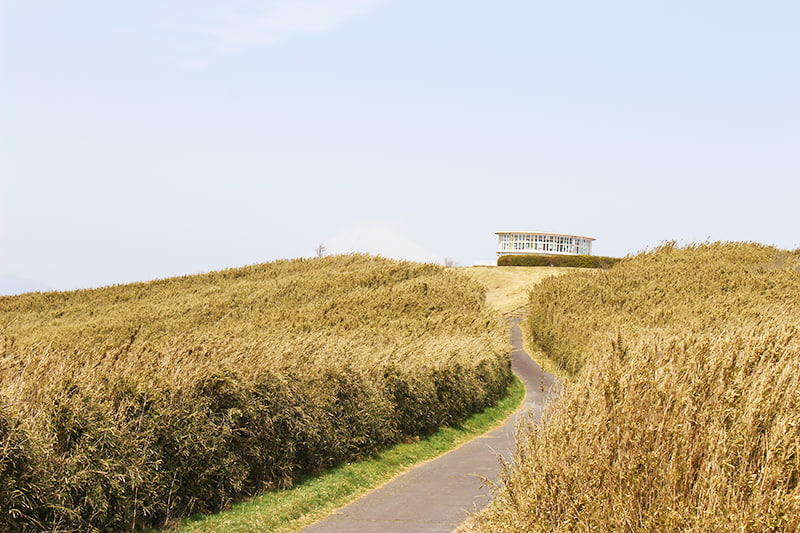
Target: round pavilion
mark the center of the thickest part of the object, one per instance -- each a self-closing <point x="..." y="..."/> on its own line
<point x="528" y="242"/>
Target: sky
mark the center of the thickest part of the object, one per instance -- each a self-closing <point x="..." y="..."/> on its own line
<point x="142" y="140"/>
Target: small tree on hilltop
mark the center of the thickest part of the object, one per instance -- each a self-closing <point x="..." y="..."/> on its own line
<point x="320" y="250"/>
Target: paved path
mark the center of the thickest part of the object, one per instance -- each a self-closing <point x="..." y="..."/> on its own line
<point x="438" y="495"/>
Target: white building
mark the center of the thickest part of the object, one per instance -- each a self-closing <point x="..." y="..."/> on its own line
<point x="527" y="242"/>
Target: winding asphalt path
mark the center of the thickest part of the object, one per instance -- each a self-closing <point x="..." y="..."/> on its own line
<point x="437" y="496"/>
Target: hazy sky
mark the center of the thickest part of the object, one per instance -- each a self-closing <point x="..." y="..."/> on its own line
<point x="148" y="139"/>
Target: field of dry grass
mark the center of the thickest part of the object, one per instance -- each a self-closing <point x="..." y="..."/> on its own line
<point x="134" y="405"/>
<point x="682" y="412"/>
<point x="507" y="287"/>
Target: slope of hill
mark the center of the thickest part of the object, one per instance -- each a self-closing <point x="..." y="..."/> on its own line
<point x="507" y="287"/>
<point x="682" y="410"/>
<point x="132" y="405"/>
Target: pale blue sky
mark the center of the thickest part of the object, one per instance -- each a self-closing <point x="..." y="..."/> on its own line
<point x="156" y="138"/>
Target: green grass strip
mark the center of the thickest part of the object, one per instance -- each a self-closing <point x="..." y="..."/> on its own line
<point x="314" y="497"/>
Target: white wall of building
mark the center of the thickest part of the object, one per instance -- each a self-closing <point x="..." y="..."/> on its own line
<point x="511" y="243"/>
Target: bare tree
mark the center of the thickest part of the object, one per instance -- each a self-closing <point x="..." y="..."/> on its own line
<point x="450" y="262"/>
<point x="320" y="250"/>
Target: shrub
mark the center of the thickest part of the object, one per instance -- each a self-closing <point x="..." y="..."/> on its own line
<point x="577" y="261"/>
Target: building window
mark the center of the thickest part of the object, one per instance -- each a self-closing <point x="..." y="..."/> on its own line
<point x="543" y="243"/>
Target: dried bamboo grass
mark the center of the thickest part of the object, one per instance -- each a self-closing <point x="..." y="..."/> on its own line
<point x="683" y="412"/>
<point x="135" y="405"/>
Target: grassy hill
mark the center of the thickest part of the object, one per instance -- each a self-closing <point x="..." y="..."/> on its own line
<point x="134" y="405"/>
<point x="682" y="409"/>
<point x="507" y="287"/>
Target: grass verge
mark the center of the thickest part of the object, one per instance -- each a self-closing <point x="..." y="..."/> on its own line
<point x="314" y="497"/>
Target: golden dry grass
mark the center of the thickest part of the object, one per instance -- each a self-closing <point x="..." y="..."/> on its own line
<point x="133" y="405"/>
<point x="683" y="409"/>
<point x="507" y="287"/>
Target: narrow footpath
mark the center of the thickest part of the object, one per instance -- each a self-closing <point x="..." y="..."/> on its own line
<point x="437" y="496"/>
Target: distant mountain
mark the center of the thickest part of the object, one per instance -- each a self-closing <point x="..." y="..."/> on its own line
<point x="10" y="285"/>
